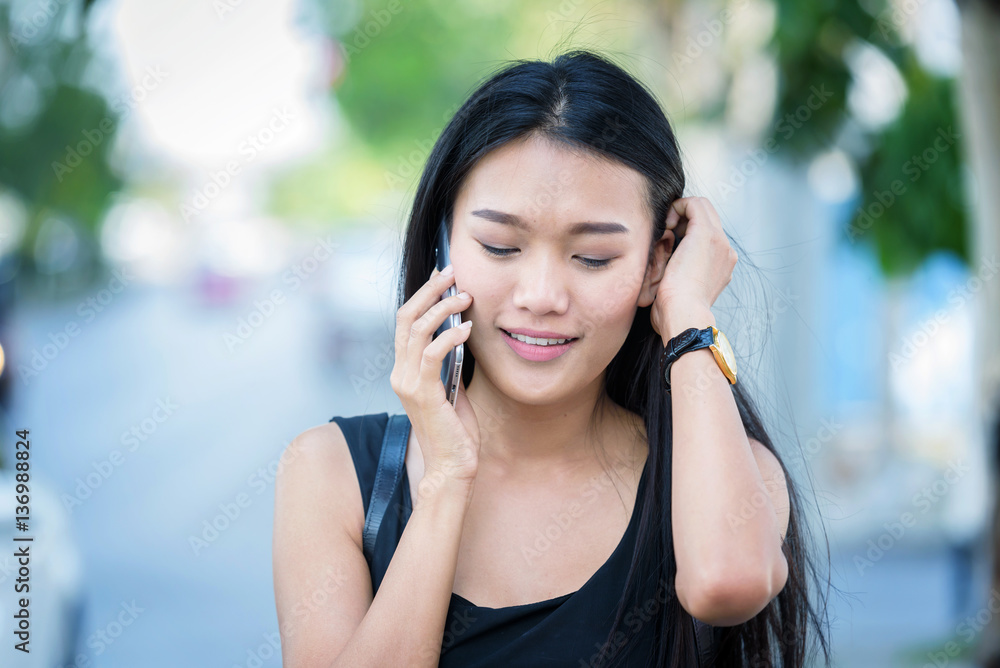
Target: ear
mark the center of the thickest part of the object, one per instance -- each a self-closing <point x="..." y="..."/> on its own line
<point x="662" y="251"/>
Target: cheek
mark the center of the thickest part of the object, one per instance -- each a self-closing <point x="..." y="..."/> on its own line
<point x="473" y="270"/>
<point x="486" y="282"/>
<point x="611" y="306"/>
<point x="608" y="318"/>
<point x="486" y="298"/>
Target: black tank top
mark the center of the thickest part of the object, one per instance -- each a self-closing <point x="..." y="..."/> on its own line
<point x="564" y="631"/>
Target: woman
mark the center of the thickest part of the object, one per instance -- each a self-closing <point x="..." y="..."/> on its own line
<point x="568" y="510"/>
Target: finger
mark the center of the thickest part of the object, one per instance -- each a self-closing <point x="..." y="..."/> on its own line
<point x="423" y="329"/>
<point x="672" y="218"/>
<point x="679" y="217"/>
<point x="434" y="354"/>
<point x="425" y="297"/>
<point x="679" y="207"/>
<point x="703" y="209"/>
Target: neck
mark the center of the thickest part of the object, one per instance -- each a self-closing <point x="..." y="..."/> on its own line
<point x="528" y="440"/>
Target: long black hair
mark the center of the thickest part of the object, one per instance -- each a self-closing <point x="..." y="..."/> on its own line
<point x="588" y="103"/>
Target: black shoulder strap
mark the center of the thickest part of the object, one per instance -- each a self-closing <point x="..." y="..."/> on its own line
<point x="704" y="641"/>
<point x="390" y="468"/>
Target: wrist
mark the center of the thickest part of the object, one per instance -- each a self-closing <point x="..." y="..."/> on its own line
<point x="686" y="316"/>
<point x="437" y="484"/>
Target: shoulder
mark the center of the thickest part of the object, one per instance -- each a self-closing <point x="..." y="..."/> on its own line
<point x="775" y="483"/>
<point x="767" y="462"/>
<point x="316" y="471"/>
<point x="317" y="546"/>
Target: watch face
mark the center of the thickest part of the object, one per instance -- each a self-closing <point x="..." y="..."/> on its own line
<point x="727" y="352"/>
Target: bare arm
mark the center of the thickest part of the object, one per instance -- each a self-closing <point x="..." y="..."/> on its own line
<point x="730" y="562"/>
<point x="326" y="613"/>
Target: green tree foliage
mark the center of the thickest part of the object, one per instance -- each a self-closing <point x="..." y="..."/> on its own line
<point x="57" y="161"/>
<point x="407" y="71"/>
<point x="912" y="196"/>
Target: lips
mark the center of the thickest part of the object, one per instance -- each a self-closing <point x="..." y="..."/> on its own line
<point x="538" y="334"/>
<point x="536" y="353"/>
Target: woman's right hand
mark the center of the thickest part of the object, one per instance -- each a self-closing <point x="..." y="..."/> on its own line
<point x="448" y="436"/>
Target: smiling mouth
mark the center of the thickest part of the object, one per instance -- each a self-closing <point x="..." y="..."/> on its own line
<point x="542" y="343"/>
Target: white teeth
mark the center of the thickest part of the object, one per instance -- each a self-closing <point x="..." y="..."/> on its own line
<point x="537" y="342"/>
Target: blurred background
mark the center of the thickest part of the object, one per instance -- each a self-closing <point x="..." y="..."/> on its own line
<point x="201" y="213"/>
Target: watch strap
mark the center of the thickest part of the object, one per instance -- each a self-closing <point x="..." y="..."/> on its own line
<point x="688" y="340"/>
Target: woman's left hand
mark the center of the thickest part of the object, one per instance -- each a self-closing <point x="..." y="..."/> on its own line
<point x="698" y="269"/>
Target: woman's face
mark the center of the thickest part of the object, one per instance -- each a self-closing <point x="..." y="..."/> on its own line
<point x="573" y="234"/>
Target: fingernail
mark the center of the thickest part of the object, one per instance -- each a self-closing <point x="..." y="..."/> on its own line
<point x="448" y="271"/>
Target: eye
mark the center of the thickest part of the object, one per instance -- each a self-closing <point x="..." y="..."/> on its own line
<point x="497" y="252"/>
<point x="590" y="263"/>
<point x="595" y="264"/>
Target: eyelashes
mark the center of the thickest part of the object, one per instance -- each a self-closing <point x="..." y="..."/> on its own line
<point x="588" y="262"/>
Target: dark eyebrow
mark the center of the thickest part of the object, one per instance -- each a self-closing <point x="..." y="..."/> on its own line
<point x="576" y="228"/>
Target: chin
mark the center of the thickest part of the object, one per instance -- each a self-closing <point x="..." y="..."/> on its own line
<point x="534" y="387"/>
<point x="539" y="398"/>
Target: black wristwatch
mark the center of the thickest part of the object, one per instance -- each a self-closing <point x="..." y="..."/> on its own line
<point x="695" y="339"/>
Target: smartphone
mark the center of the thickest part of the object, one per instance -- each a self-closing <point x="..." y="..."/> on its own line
<point x="451" y="367"/>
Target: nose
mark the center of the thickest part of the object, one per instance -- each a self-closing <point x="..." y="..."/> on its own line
<point x="540" y="286"/>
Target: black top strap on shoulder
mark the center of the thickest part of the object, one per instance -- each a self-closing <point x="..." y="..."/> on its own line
<point x="390" y="469"/>
<point x="704" y="641"/>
